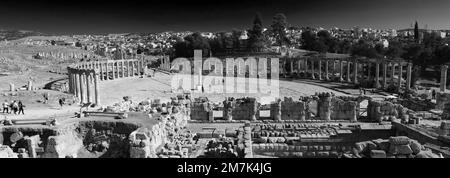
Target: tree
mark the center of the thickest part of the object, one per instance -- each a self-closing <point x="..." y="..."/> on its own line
<point x="416" y="32"/>
<point x="279" y="24"/>
<point x="192" y="42"/>
<point x="308" y="39"/>
<point x="257" y="39"/>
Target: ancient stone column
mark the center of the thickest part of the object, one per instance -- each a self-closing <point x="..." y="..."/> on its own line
<point x="377" y="75"/>
<point x="369" y="77"/>
<point x="384" y="74"/>
<point x="292" y="67"/>
<point x="113" y="69"/>
<point x="392" y="73"/>
<point x="101" y="71"/>
<point x="106" y="69"/>
<point x="341" y="70"/>
<point x="408" y="76"/>
<point x="327" y="77"/>
<point x="88" y="87"/>
<point x="78" y="86"/>
<point x="320" y="69"/>
<point x="334" y="69"/>
<point x="138" y="67"/>
<point x="444" y="78"/>
<point x="355" y="71"/>
<point x="400" y="72"/>
<point x="70" y="80"/>
<point x="83" y="88"/>
<point x="11" y="87"/>
<point x="306" y="67"/>
<point x="312" y="70"/>
<point x="348" y="71"/>
<point x="298" y="68"/>
<point x="123" y="68"/>
<point x="132" y="68"/>
<point x="96" y="89"/>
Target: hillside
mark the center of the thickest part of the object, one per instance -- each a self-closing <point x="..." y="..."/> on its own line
<point x="17" y="34"/>
<point x="20" y="62"/>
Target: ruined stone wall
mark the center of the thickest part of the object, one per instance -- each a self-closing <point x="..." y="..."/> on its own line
<point x="66" y="143"/>
<point x="386" y="111"/>
<point x="246" y="109"/>
<point x="292" y="110"/>
<point x="344" y="109"/>
<point x="201" y="110"/>
<point x="145" y="142"/>
<point x="442" y="99"/>
<point x="417" y="104"/>
<point x="275" y="110"/>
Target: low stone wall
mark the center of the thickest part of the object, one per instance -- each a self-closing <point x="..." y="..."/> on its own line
<point x="286" y="150"/>
<point x="441" y="100"/>
<point x="394" y="147"/>
<point x="386" y="111"/>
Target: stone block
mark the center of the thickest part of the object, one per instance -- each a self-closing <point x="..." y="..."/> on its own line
<point x="297" y="154"/>
<point x="323" y="154"/>
<point x="382" y="144"/>
<point x="377" y="154"/>
<point x="334" y="154"/>
<point x="426" y="154"/>
<point x="445" y="125"/>
<point x="399" y="140"/>
<point x="400" y="149"/>
<point x="314" y="148"/>
<point x="327" y="148"/>
<point x="291" y="148"/>
<point x="416" y="147"/>
<point x="310" y="154"/>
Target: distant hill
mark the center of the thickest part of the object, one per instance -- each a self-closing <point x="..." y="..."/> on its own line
<point x="17" y="34"/>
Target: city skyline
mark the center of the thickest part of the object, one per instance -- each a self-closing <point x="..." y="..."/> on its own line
<point x="101" y="17"/>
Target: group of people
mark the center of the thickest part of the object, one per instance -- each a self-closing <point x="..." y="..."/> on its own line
<point x="15" y="107"/>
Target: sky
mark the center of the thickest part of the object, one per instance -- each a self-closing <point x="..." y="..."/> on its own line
<point x="139" y="16"/>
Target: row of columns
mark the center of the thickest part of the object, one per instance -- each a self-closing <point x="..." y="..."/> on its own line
<point x="165" y="63"/>
<point x="353" y="76"/>
<point x="113" y="69"/>
<point x="84" y="84"/>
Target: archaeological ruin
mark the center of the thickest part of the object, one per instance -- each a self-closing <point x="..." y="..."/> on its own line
<point x="317" y="126"/>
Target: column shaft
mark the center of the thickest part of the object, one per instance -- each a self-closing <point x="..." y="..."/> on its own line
<point x="348" y="71"/>
<point x="341" y="70"/>
<point x="355" y="71"/>
<point x="444" y="78"/>
<point x="327" y="76"/>
<point x="400" y="72"/>
<point x="377" y="75"/>
<point x="77" y="86"/>
<point x="88" y="88"/>
<point x="320" y="69"/>
<point x="408" y="76"/>
<point x="83" y="88"/>
<point x="384" y="74"/>
<point x="96" y="89"/>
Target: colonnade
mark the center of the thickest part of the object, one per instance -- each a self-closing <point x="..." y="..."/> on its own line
<point x="350" y="70"/>
<point x="84" y="77"/>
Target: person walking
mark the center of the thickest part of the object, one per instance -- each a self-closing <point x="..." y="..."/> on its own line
<point x="5" y="107"/>
<point x="45" y="95"/>
<point x="15" y="106"/>
<point x="21" y="106"/>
